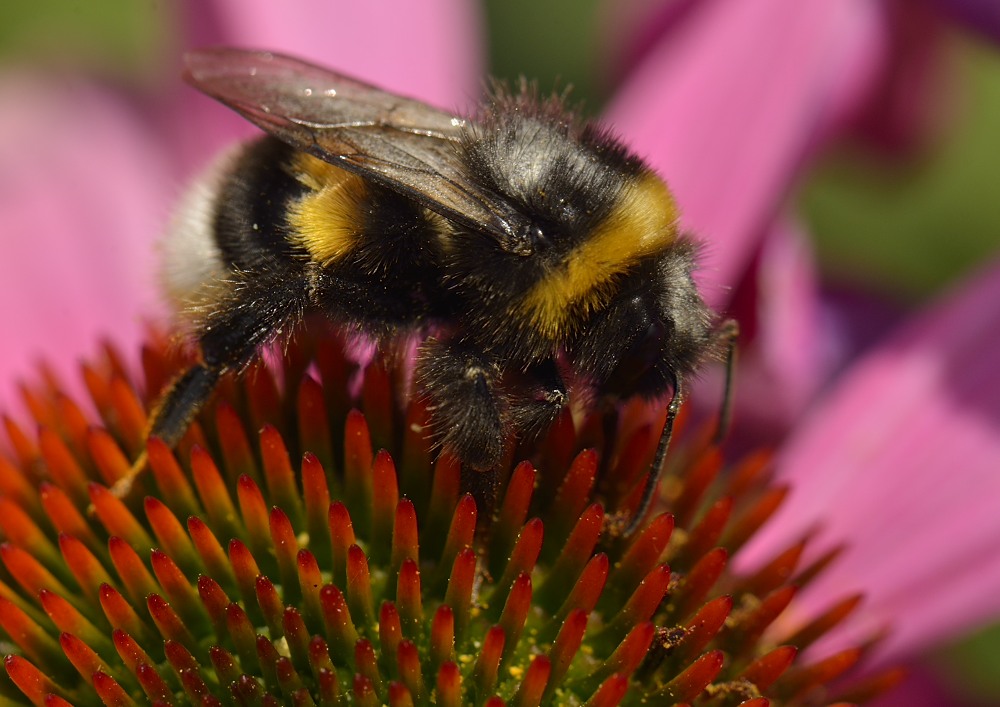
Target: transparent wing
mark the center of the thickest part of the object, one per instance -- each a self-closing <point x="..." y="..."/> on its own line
<point x="404" y="144"/>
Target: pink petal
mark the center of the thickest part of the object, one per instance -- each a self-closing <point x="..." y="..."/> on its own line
<point x="902" y="462"/>
<point x="783" y="357"/>
<point x="431" y="50"/>
<point x="920" y="689"/>
<point x="911" y="98"/>
<point x="789" y="316"/>
<point x="83" y="195"/>
<point x="982" y="16"/>
<point x="728" y="107"/>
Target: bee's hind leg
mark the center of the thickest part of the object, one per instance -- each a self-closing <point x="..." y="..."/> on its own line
<point x="178" y="405"/>
<point x="171" y="416"/>
<point x="253" y="309"/>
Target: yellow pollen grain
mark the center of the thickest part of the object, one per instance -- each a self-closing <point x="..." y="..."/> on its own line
<point x="327" y="220"/>
<point x="643" y="223"/>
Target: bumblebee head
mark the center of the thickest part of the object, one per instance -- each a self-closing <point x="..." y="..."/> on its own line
<point x="655" y="330"/>
<point x="598" y="227"/>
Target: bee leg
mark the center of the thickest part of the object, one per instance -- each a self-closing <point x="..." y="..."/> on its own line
<point x="171" y="416"/>
<point x="659" y="459"/>
<point x="254" y="309"/>
<point x="541" y="397"/>
<point x="727" y="337"/>
<point x="465" y="413"/>
<point x="460" y="386"/>
<point x="178" y="405"/>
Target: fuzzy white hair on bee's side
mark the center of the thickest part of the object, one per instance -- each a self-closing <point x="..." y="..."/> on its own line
<point x="190" y="260"/>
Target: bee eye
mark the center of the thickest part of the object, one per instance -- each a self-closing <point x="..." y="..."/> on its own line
<point x="533" y="239"/>
<point x="539" y="240"/>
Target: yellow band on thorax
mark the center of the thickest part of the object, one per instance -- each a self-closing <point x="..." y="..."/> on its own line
<point x="643" y="223"/>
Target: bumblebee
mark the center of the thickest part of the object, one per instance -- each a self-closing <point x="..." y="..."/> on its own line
<point x="524" y="246"/>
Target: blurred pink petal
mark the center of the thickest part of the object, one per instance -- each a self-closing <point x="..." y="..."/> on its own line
<point x="902" y="462"/>
<point x="982" y="16"/>
<point x="788" y="316"/>
<point x="82" y="196"/>
<point x="909" y="102"/>
<point x="784" y="353"/>
<point x="729" y="107"/>
<point x="919" y="689"/>
<point x="431" y="50"/>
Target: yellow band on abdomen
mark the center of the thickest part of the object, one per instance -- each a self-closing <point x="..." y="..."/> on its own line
<point x="328" y="219"/>
<point x="643" y="223"/>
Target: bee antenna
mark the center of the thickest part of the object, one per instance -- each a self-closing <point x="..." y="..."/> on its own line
<point x="727" y="338"/>
<point x="656" y="468"/>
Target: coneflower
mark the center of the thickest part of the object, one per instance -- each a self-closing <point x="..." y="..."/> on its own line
<point x="303" y="546"/>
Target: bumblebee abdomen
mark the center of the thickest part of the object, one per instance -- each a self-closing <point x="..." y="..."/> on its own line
<point x="231" y="219"/>
<point x="328" y="219"/>
<point x="347" y="223"/>
<point x="251" y="219"/>
<point x="190" y="255"/>
<point x="378" y="250"/>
